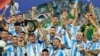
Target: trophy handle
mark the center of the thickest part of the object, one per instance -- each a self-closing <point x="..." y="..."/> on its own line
<point x="33" y="22"/>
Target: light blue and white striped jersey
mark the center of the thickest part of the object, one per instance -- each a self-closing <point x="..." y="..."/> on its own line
<point x="65" y="38"/>
<point x="11" y="29"/>
<point x="9" y="43"/>
<point x="42" y="46"/>
<point x="11" y="51"/>
<point x="93" y="45"/>
<point x="59" y="28"/>
<point x="33" y="49"/>
<point x="52" y="38"/>
<point x="39" y="40"/>
<point x="75" y="51"/>
<point x="57" y="52"/>
<point x="73" y="29"/>
<point x="16" y="34"/>
<point x="37" y="34"/>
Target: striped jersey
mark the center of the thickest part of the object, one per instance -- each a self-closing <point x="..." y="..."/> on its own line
<point x="12" y="51"/>
<point x="73" y="29"/>
<point x="75" y="51"/>
<point x="57" y="52"/>
<point x="33" y="49"/>
<point x="93" y="45"/>
<point x="65" y="38"/>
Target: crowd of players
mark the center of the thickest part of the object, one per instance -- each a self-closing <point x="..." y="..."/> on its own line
<point x="67" y="39"/>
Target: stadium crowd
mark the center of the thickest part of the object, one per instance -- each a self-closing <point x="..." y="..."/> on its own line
<point x="65" y="35"/>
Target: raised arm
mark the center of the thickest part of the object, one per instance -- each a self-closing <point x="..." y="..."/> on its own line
<point x="75" y="16"/>
<point x="33" y="12"/>
<point x="5" y="9"/>
<point x="93" y="14"/>
<point x="93" y="23"/>
<point x="43" y="36"/>
<point x="74" y="12"/>
<point x="74" y="6"/>
<point x="27" y="33"/>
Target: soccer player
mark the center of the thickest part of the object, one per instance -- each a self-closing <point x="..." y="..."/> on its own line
<point x="9" y="39"/>
<point x="33" y="47"/>
<point x="14" y="49"/>
<point x="45" y="52"/>
<point x="77" y="45"/>
<point x="55" y="49"/>
<point x="54" y="23"/>
<point x="52" y="34"/>
<point x="93" y="46"/>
